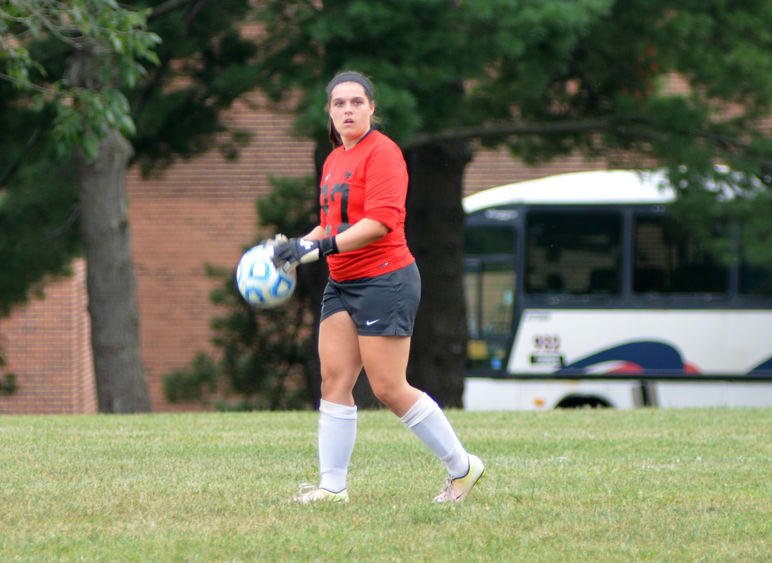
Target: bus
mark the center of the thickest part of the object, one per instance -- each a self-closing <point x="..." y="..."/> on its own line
<point x="581" y="290"/>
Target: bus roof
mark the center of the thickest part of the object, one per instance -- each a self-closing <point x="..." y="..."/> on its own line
<point x="579" y="188"/>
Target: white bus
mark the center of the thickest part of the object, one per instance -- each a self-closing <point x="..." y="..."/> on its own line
<point x="581" y="290"/>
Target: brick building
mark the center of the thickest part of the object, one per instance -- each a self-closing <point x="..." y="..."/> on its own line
<point x="196" y="212"/>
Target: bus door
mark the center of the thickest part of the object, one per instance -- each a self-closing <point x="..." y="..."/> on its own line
<point x="490" y="288"/>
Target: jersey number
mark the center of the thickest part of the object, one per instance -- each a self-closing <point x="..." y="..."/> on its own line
<point x="328" y="197"/>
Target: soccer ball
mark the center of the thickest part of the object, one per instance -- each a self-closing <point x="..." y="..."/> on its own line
<point x="260" y="281"/>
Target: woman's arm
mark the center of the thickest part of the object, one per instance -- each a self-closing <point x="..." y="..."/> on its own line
<point x="315" y="234"/>
<point x="310" y="248"/>
<point x="360" y="234"/>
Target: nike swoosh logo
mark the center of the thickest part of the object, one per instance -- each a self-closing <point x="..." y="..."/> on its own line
<point x="371" y="323"/>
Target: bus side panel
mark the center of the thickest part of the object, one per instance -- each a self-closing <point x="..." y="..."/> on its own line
<point x="630" y="341"/>
<point x="681" y="395"/>
<point x="634" y="342"/>
<point x="483" y="394"/>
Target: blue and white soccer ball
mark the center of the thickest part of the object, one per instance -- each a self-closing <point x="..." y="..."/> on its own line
<point x="260" y="282"/>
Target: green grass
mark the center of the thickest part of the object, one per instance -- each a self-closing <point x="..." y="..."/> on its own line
<point x="652" y="485"/>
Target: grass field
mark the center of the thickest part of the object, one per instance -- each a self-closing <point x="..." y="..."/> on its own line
<point x="644" y="485"/>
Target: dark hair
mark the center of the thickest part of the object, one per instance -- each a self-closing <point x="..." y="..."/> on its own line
<point x="347" y="76"/>
<point x="351" y="76"/>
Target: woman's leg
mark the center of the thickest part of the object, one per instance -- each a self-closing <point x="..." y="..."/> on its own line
<point x="385" y="360"/>
<point x="340" y="364"/>
<point x="339" y="357"/>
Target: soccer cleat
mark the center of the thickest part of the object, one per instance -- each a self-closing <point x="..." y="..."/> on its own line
<point x="311" y="493"/>
<point x="456" y="489"/>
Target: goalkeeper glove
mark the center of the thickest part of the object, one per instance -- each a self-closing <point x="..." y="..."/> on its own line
<point x="289" y="253"/>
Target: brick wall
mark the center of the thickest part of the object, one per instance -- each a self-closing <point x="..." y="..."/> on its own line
<point x="46" y="345"/>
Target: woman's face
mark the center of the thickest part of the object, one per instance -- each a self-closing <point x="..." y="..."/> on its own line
<point x="350" y="111"/>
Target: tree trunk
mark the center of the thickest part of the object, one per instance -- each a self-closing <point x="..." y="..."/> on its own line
<point x="121" y="386"/>
<point x="435" y="220"/>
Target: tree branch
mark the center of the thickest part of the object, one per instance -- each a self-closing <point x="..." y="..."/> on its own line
<point x="635" y="127"/>
<point x="167" y="7"/>
<point x="511" y="130"/>
<point x="15" y="164"/>
<point x="158" y="73"/>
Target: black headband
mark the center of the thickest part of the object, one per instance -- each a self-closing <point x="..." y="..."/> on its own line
<point x="350" y="77"/>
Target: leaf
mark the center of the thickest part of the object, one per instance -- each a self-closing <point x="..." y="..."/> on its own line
<point x="90" y="146"/>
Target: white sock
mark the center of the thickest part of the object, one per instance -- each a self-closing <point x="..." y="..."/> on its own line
<point x="337" y="434"/>
<point x="427" y="421"/>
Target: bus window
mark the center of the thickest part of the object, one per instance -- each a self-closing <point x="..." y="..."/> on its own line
<point x="667" y="260"/>
<point x="489" y="288"/>
<point x="573" y="253"/>
<point x="488" y="240"/>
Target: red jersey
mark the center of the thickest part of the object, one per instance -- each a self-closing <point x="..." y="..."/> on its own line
<point x="369" y="180"/>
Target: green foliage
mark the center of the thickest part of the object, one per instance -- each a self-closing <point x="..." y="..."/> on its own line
<point x="114" y="36"/>
<point x="590" y="76"/>
<point x="436" y="64"/>
<point x="39" y="214"/>
<point x="49" y="113"/>
<point x="262" y="352"/>
<point x="205" y="64"/>
<point x="288" y="208"/>
<point x="191" y="384"/>
<point x="79" y="67"/>
<point x="8" y="384"/>
<point x="723" y="209"/>
<point x="260" y="361"/>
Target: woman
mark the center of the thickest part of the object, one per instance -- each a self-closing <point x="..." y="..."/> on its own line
<point x="371" y="298"/>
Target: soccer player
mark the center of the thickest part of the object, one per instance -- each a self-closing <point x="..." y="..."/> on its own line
<point x="371" y="298"/>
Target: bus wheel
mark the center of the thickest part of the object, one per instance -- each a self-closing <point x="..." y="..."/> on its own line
<point x="582" y="402"/>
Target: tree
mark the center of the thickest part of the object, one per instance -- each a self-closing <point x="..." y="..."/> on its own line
<point x="90" y="118"/>
<point x="546" y="78"/>
<point x="82" y="89"/>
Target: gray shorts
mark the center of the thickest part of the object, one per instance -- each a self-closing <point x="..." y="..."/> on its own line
<point x="383" y="305"/>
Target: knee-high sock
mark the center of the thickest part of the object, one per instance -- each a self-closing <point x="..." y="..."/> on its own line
<point x="427" y="421"/>
<point x="337" y="434"/>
